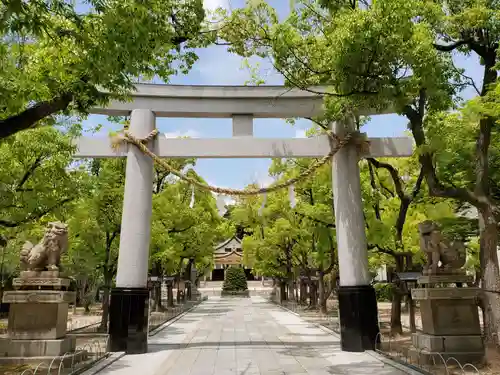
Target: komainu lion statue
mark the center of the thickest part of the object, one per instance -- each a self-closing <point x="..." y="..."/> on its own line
<point x="443" y="256"/>
<point x="47" y="253"/>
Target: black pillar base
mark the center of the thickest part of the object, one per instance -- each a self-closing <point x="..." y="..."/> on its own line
<point x="358" y="315"/>
<point x="128" y="320"/>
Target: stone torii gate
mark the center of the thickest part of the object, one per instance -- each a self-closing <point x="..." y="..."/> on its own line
<point x="129" y="299"/>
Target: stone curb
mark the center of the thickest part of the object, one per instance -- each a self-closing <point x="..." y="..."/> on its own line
<point x="380" y="357"/>
<point x="102" y="364"/>
<point x="173" y="320"/>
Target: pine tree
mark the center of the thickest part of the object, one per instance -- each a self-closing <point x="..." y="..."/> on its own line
<point x="235" y="280"/>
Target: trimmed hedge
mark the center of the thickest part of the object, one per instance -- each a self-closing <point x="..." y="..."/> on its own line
<point x="235" y="280"/>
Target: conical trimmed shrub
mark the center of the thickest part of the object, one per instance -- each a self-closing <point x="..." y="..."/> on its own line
<point x="235" y="280"/>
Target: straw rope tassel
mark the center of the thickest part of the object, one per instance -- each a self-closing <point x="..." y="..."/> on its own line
<point x="291" y="196"/>
<point x="191" y="203"/>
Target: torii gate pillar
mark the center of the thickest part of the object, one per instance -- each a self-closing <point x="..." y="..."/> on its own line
<point x="129" y="305"/>
<point x="357" y="301"/>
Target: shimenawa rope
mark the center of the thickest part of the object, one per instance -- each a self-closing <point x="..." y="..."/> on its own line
<point x="336" y="143"/>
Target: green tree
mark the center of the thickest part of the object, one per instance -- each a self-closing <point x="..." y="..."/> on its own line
<point x="184" y="236"/>
<point x="278" y="246"/>
<point x="353" y="48"/>
<point x="55" y="59"/>
<point x="37" y="176"/>
<point x="38" y="183"/>
<point x="95" y="225"/>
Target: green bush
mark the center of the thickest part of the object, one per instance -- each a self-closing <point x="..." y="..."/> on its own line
<point x="235" y="280"/>
<point x="383" y="292"/>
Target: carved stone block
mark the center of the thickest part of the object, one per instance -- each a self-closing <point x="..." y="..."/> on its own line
<point x="462" y="343"/>
<point x="37" y="348"/>
<point x="445" y="294"/>
<point x="38" y="296"/>
<point x="37" y="321"/>
<point x="450" y="317"/>
<point x="445" y="278"/>
<point x="42" y="274"/>
<point x="40" y="282"/>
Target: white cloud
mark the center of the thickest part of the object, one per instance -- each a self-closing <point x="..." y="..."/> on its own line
<point x="214" y="4"/>
<point x="300" y="133"/>
<point x="261" y="179"/>
<point x="188" y="133"/>
<point x="229" y="201"/>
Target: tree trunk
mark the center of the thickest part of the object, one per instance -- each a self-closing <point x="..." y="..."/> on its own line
<point x="322" y="293"/>
<point x="490" y="282"/>
<point x="108" y="278"/>
<point x="282" y="291"/>
<point x="303" y="292"/>
<point x="396" y="326"/>
<point x="413" y="326"/>
<point x="170" y="295"/>
<point x="158" y="306"/>
<point x="313" y="295"/>
<point x="291" y="289"/>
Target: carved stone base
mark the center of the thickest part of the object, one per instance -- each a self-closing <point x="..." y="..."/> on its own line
<point x="36" y="348"/>
<point x="450" y="326"/>
<point x="425" y="357"/>
<point x="37" y="315"/>
<point x="51" y="283"/>
<point x="42" y="274"/>
<point x="419" y="294"/>
<point x="434" y="343"/>
<point x="445" y="278"/>
<point x="38" y="296"/>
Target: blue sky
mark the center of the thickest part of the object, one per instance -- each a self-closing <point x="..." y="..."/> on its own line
<point x="218" y="67"/>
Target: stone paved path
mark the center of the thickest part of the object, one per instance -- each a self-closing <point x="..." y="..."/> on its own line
<point x="246" y="337"/>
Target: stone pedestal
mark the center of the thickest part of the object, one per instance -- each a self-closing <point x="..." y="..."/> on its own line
<point x="450" y="321"/>
<point x="37" y="321"/>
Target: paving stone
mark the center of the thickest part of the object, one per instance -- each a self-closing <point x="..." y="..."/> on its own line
<point x="245" y="337"/>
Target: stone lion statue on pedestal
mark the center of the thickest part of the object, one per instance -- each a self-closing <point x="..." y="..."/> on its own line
<point x="443" y="256"/>
<point x="46" y="255"/>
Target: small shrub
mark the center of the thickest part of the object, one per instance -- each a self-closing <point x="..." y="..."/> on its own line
<point x="235" y="280"/>
<point x="384" y="291"/>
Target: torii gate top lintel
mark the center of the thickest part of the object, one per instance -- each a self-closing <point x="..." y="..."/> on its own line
<point x="223" y="101"/>
<point x="242" y="104"/>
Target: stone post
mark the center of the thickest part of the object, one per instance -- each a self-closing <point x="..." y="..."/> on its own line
<point x="357" y="302"/>
<point x="129" y="309"/>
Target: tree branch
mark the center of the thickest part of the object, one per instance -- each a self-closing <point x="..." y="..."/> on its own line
<point x="452" y="46"/>
<point x="29" y="172"/>
<point x="29" y="117"/>
<point x="34" y="216"/>
<point x="436" y="188"/>
<point x="318" y="221"/>
<point x="175" y="230"/>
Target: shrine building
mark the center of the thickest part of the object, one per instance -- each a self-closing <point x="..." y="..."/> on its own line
<point x="226" y="254"/>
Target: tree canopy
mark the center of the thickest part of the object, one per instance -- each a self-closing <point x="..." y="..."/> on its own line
<point x="57" y="59"/>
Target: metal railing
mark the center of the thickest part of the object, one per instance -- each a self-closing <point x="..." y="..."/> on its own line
<point x="92" y="345"/>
